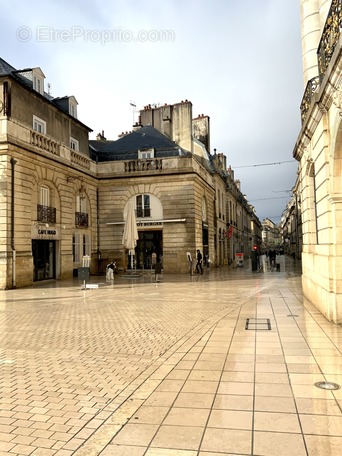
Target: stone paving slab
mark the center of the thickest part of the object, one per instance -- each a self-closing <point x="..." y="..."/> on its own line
<point x="163" y="369"/>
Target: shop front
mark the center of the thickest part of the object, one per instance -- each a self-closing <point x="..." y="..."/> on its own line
<point x="149" y="249"/>
<point x="44" y="247"/>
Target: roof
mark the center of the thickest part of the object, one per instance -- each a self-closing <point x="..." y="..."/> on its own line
<point x="8" y="70"/>
<point x="127" y="147"/>
<point x="5" y="68"/>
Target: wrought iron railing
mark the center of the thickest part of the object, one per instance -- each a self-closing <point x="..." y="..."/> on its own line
<point x="81" y="219"/>
<point x="153" y="164"/>
<point x="46" y="214"/>
<point x="311" y="87"/>
<point x="330" y="36"/>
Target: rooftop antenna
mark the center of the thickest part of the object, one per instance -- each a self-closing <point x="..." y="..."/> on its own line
<point x="133" y="106"/>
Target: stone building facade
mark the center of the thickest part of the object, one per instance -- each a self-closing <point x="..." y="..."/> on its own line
<point x="319" y="153"/>
<point x="63" y="197"/>
<point x="48" y="186"/>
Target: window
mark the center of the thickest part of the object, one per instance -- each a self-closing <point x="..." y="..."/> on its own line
<point x="143" y="205"/>
<point x="39" y="125"/>
<point x="74" y="144"/>
<point x="81" y="204"/>
<point x="145" y="154"/>
<point x="204" y="210"/>
<point x="45" y="213"/>
<point x="73" y="107"/>
<point x="37" y="84"/>
<point x="80" y="246"/>
<point x="38" y="80"/>
<point x="44" y="197"/>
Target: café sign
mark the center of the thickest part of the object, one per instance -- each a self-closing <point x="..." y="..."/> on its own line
<point x="45" y="232"/>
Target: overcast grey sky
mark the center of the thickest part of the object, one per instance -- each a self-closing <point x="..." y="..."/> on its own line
<point x="238" y="61"/>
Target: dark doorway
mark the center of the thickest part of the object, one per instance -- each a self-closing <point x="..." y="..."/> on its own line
<point x="149" y="242"/>
<point x="205" y="241"/>
<point x="44" y="260"/>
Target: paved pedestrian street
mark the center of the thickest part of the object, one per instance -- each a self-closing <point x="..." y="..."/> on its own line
<point x="223" y="363"/>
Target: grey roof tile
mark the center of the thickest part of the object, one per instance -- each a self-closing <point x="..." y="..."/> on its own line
<point x="127" y="147"/>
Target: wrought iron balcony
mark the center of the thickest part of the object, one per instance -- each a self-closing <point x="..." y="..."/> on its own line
<point x="81" y="219"/>
<point x="46" y="214"/>
<point x="330" y="36"/>
<point x="311" y="88"/>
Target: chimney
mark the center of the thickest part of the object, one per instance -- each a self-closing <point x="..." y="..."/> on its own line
<point x="100" y="136"/>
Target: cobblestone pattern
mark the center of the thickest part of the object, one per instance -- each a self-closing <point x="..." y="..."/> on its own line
<point x="70" y="358"/>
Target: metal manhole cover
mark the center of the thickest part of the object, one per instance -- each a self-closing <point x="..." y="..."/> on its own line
<point x="327" y="385"/>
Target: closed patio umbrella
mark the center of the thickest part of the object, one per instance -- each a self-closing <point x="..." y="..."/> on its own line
<point x="130" y="234"/>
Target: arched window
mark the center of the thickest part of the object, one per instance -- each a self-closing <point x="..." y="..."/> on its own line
<point x="143" y="205"/>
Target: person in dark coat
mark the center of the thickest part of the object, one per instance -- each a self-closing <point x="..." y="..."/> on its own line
<point x="199" y="262"/>
<point x="272" y="254"/>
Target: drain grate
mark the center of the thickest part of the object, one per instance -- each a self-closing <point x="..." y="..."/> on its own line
<point x="258" y="324"/>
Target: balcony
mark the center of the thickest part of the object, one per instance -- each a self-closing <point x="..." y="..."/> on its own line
<point x="81" y="219"/>
<point x="311" y="88"/>
<point x="330" y="36"/>
<point x="46" y="214"/>
<point x="44" y="142"/>
<point x="153" y="164"/>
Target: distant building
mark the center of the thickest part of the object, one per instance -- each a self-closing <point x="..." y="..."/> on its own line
<point x="291" y="227"/>
<point x="271" y="237"/>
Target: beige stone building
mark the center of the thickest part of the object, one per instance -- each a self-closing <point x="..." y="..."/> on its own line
<point x="271" y="236"/>
<point x="63" y="197"/>
<point x="48" y="186"/>
<point x="319" y="153"/>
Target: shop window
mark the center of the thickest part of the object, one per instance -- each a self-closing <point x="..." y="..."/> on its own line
<point x="143" y="205"/>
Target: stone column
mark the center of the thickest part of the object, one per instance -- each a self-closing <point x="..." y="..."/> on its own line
<point x="311" y="34"/>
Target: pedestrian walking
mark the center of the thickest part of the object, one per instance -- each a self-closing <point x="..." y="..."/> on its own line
<point x="272" y="254"/>
<point x="199" y="262"/>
